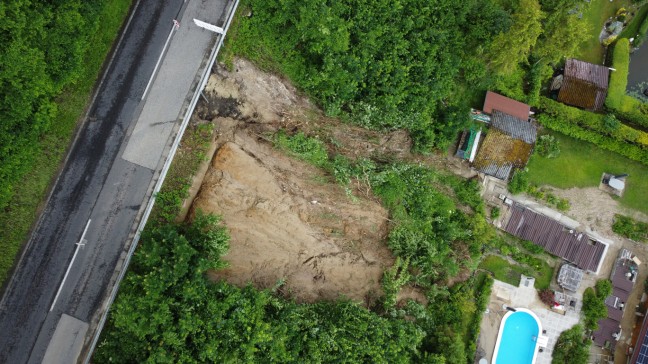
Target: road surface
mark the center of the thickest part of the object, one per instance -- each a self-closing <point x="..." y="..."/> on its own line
<point x="106" y="181"/>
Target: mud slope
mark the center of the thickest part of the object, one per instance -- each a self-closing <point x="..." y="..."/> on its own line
<point x="289" y="221"/>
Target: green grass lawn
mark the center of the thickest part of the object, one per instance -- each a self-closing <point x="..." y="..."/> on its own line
<point x="510" y="273"/>
<point x="596" y="14"/>
<point x="581" y="164"/>
<point x="16" y="221"/>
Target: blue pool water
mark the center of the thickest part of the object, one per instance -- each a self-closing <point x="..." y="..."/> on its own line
<point x="518" y="342"/>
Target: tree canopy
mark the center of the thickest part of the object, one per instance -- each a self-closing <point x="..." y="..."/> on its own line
<point x="43" y="47"/>
<point x="572" y="347"/>
<point x="167" y="311"/>
<point x="383" y="64"/>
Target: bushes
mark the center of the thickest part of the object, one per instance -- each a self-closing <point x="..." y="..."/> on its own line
<point x="519" y="183"/>
<point x="547" y="297"/>
<point x="167" y="311"/>
<point x="373" y="63"/>
<point x="630" y="228"/>
<point x="605" y="124"/>
<point x="311" y="150"/>
<point x="567" y="120"/>
<point x="547" y="146"/>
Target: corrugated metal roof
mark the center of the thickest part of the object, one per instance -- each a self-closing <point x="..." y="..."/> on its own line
<point x="584" y="85"/>
<point x="588" y="72"/>
<point x="495" y="101"/>
<point x="607" y="327"/>
<point x="573" y="246"/>
<point x="621" y="287"/>
<point x="517" y="128"/>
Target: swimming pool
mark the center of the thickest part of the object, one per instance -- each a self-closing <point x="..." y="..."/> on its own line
<point x="517" y="338"/>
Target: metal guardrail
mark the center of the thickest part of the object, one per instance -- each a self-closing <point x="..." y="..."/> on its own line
<point x="162" y="176"/>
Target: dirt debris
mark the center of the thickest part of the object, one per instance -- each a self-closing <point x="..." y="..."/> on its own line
<point x="291" y="225"/>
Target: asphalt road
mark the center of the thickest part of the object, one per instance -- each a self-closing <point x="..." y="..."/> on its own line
<point x="97" y="184"/>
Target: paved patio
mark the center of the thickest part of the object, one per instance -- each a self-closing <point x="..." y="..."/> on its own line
<point x="521" y="297"/>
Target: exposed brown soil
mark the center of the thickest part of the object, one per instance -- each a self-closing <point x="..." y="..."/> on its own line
<point x="291" y="225"/>
<point x="596" y="209"/>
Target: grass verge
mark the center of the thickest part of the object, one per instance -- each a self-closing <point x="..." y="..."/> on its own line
<point x="23" y="210"/>
<point x="581" y="164"/>
<point x="191" y="153"/>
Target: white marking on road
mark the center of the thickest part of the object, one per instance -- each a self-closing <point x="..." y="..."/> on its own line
<point x="209" y="27"/>
<point x="79" y="244"/>
<point x="175" y="27"/>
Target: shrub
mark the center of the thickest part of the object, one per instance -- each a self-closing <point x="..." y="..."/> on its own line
<point x="611" y="123"/>
<point x="531" y="247"/>
<point x="309" y="149"/>
<point x="495" y="212"/>
<point x="630" y="228"/>
<point x="547" y="297"/>
<point x="393" y="279"/>
<point x="603" y="288"/>
<point x="559" y="117"/>
<point x="519" y="183"/>
<point x="548" y="146"/>
<point x="563" y="204"/>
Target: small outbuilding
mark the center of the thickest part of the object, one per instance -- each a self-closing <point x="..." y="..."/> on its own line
<point x="570" y="277"/>
<point x="584" y="85"/>
<point x="508" y="146"/>
<point x="495" y="101"/>
<point x="613" y="184"/>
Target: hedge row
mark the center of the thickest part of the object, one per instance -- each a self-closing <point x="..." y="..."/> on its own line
<point x="643" y="32"/>
<point x="592" y="121"/>
<point x="628" y="150"/>
<point x="626" y="107"/>
<point x="618" y="78"/>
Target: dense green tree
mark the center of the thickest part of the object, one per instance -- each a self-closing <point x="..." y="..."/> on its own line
<point x="511" y="48"/>
<point x="167" y="311"/>
<point x="594" y="309"/>
<point x="561" y="38"/>
<point x="379" y="63"/>
<point x="43" y="46"/>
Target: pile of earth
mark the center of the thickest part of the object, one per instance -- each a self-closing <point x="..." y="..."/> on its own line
<point x="292" y="227"/>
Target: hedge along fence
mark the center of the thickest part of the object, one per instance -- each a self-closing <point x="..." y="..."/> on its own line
<point x="643" y="32"/>
<point x="592" y="121"/>
<point x="619" y="78"/>
<point x="626" y="107"/>
<point x="560" y="123"/>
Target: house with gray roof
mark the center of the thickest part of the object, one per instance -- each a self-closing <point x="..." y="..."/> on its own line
<point x="508" y="146"/>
